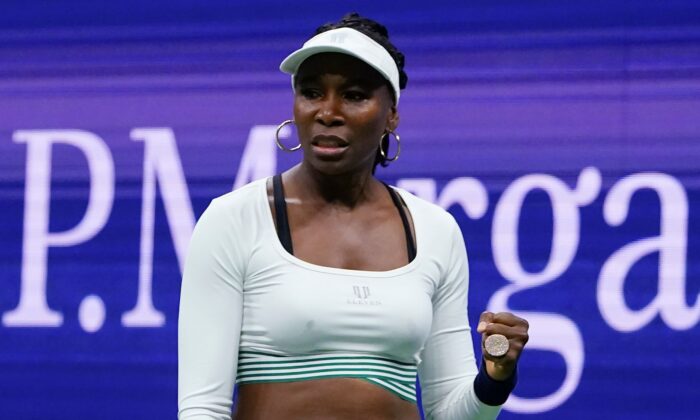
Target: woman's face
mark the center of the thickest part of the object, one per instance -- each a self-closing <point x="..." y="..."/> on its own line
<point x="342" y="107"/>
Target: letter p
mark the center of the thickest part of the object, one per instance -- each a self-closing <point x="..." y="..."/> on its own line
<point x="33" y="309"/>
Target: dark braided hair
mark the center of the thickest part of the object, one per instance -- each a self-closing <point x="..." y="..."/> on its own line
<point x="380" y="35"/>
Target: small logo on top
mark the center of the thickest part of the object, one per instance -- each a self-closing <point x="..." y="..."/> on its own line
<point x="361" y="296"/>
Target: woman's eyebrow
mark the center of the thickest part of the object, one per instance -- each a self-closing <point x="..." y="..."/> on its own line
<point x="356" y="81"/>
<point x="363" y="82"/>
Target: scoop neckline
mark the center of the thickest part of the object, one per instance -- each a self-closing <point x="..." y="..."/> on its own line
<point x="270" y="230"/>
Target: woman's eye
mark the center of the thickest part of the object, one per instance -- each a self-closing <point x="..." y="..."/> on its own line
<point x="354" y="95"/>
<point x="309" y="93"/>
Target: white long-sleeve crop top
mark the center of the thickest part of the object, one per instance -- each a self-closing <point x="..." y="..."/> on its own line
<point x="252" y="312"/>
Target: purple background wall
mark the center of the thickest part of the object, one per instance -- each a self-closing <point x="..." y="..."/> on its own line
<point x="508" y="103"/>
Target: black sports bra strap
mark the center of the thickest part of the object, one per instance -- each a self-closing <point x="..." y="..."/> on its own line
<point x="410" y="244"/>
<point x="281" y="214"/>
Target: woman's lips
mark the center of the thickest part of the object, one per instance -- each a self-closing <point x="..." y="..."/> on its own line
<point x="328" y="140"/>
<point x="328" y="151"/>
<point x="328" y="146"/>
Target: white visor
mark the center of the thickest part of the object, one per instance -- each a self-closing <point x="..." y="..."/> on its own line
<point x="351" y="42"/>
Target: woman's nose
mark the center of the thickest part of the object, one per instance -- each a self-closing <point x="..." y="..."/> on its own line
<point x="329" y="112"/>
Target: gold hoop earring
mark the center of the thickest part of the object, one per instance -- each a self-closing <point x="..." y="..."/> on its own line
<point x="277" y="137"/>
<point x="398" y="147"/>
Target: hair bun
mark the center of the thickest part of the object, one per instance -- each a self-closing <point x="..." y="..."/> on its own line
<point x="374" y="30"/>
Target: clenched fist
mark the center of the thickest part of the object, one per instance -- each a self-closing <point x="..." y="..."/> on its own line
<point x="514" y="329"/>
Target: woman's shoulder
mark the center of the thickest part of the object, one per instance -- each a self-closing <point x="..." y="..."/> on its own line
<point x="242" y="205"/>
<point x="247" y="196"/>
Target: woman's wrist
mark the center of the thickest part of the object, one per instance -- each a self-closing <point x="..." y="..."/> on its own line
<point x="492" y="391"/>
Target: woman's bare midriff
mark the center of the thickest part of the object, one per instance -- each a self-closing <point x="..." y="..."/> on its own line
<point x="321" y="399"/>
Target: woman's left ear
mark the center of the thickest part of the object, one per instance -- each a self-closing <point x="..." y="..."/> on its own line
<point x="393" y="119"/>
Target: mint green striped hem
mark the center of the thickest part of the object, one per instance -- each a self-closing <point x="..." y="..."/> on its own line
<point x="394" y="376"/>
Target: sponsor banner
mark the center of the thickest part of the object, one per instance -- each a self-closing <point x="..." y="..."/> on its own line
<point x="570" y="159"/>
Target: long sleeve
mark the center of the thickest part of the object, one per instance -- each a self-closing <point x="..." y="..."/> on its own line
<point x="448" y="366"/>
<point x="210" y="318"/>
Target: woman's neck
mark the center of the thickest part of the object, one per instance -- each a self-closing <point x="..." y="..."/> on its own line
<point x="347" y="190"/>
